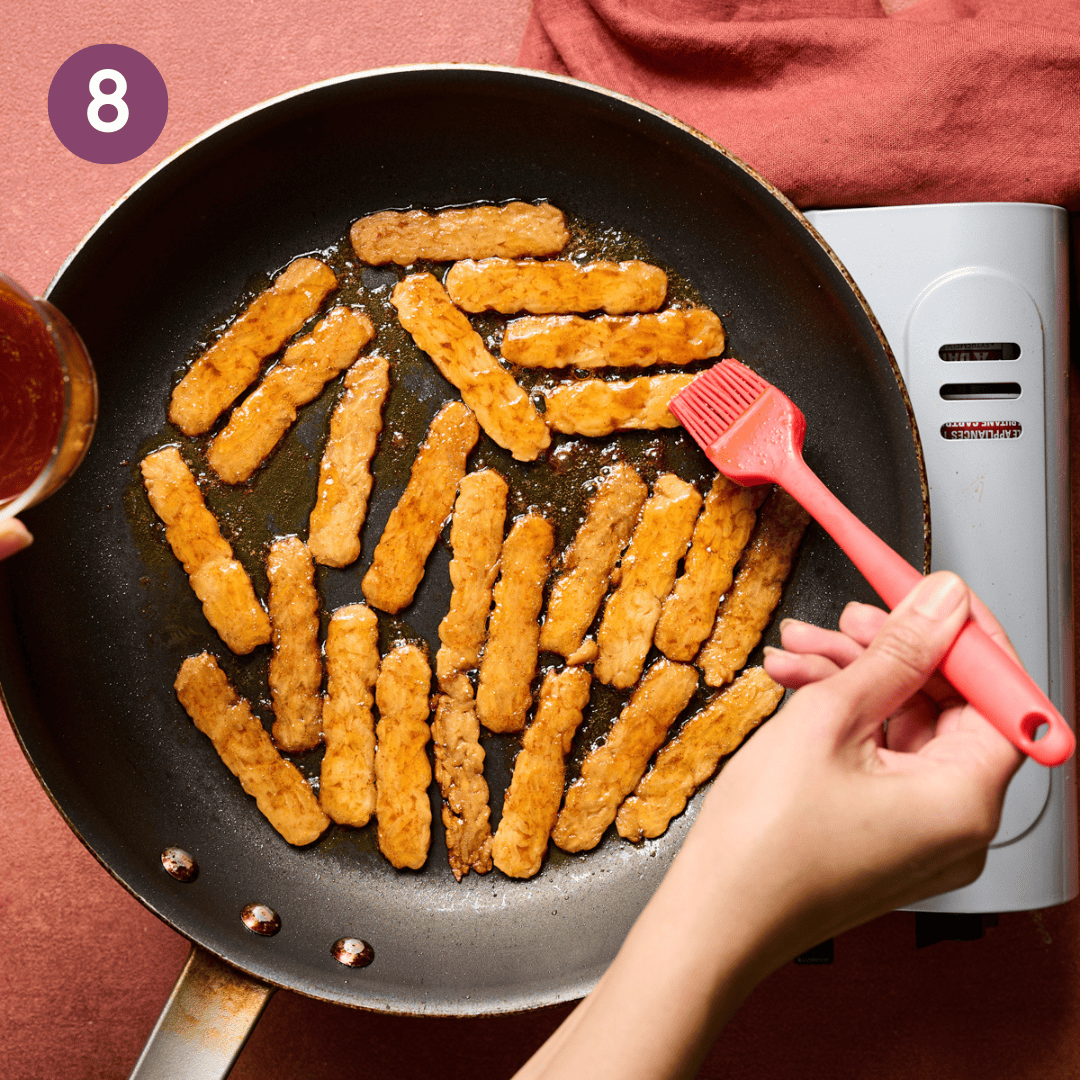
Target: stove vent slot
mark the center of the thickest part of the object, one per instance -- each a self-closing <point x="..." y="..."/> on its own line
<point x="980" y="391"/>
<point x="980" y="351"/>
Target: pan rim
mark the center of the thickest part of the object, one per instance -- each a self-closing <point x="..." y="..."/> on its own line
<point x="535" y="77"/>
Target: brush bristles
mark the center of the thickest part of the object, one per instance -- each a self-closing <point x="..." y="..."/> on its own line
<point x="715" y="400"/>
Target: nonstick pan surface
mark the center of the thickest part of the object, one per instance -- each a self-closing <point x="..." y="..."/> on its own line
<point x="97" y="616"/>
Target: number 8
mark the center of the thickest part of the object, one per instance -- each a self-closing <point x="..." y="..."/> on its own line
<point x="115" y="99"/>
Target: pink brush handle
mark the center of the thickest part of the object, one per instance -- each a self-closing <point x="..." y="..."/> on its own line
<point x="991" y="680"/>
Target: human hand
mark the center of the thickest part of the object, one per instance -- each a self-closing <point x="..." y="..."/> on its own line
<point x="836" y="817"/>
<point x="823" y="819"/>
<point x="811" y="653"/>
<point x="14" y="536"/>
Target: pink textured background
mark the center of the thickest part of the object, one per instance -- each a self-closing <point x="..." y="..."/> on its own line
<point x="84" y="969"/>
<point x="217" y="58"/>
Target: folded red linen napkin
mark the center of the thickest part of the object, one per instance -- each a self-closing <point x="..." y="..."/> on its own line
<point x="848" y="102"/>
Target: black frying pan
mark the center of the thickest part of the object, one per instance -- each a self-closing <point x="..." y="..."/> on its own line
<point x="96" y="617"/>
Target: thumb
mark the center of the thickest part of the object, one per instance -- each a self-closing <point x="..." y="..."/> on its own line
<point x="14" y="536"/>
<point x="906" y="650"/>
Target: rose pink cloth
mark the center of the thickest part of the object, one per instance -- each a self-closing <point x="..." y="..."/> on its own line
<point x="848" y="102"/>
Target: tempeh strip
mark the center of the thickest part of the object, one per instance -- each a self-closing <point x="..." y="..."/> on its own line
<point x="231" y="364"/>
<point x="595" y="407"/>
<point x="295" y="664"/>
<point x="612" y="770"/>
<point x="692" y="755"/>
<point x="397" y="567"/>
<point x="345" y="480"/>
<point x="476" y="232"/>
<point x="459" y="769"/>
<point x="457" y="350"/>
<point x="588" y="562"/>
<point x="476" y="538"/>
<point x="402" y="769"/>
<point x="722" y="531"/>
<point x="347" y="779"/>
<point x="746" y="610"/>
<point x="648" y="571"/>
<point x="532" y="801"/>
<point x="503" y="695"/>
<point x="280" y="791"/>
<point x="678" y="336"/>
<point x="557" y="287"/>
<point x="258" y="424"/>
<point x="219" y="581"/>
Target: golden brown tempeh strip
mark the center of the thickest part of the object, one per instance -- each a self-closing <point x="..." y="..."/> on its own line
<point x="231" y="364"/>
<point x="503" y="695"/>
<point x="722" y="531"/>
<point x="457" y="350"/>
<point x="281" y="793"/>
<point x="347" y="779"/>
<point x="557" y="287"/>
<point x="745" y="611"/>
<point x="648" y="571"/>
<point x="476" y="537"/>
<point x="612" y="770"/>
<point x="536" y="789"/>
<point x="596" y="407"/>
<point x="459" y="769"/>
<point x="402" y="769"/>
<point x="295" y="664"/>
<point x="345" y="480"/>
<point x="691" y="757"/>
<point x="587" y="564"/>
<point x="670" y="337"/>
<point x="397" y="567"/>
<point x="231" y="606"/>
<point x="512" y="231"/>
<point x="258" y="424"/>
<point x="220" y="582"/>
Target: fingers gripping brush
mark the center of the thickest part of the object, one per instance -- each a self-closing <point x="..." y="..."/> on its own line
<point x="754" y="434"/>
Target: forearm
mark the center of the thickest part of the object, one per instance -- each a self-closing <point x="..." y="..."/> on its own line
<point x="690" y="959"/>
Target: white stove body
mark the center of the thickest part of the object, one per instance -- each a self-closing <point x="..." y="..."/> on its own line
<point x="994" y="430"/>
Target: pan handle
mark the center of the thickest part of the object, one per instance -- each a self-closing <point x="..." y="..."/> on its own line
<point x="211" y="1011"/>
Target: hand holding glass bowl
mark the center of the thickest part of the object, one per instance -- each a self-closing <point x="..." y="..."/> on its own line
<point x="48" y="406"/>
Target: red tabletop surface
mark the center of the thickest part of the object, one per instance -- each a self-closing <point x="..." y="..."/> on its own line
<point x="85" y="969"/>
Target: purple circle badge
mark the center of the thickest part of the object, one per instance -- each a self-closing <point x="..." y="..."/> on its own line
<point x="108" y="104"/>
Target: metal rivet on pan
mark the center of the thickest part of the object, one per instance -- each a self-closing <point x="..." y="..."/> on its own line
<point x="352" y="952"/>
<point x="180" y="864"/>
<point x="260" y="919"/>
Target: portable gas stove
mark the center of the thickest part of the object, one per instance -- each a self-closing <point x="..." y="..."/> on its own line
<point x="973" y="299"/>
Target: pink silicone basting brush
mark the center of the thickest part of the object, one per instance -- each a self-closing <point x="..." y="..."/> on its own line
<point x="754" y="434"/>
